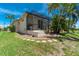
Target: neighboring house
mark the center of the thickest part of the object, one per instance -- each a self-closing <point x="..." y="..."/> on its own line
<point x="31" y="21"/>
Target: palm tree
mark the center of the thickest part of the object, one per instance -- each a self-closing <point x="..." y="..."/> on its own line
<point x="66" y="10"/>
<point x="10" y="17"/>
<point x="58" y="24"/>
<point x="72" y="14"/>
<point x="54" y="26"/>
<point x="52" y="6"/>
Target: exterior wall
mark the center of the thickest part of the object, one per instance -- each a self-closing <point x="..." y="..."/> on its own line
<point x="45" y="24"/>
<point x="17" y="27"/>
<point x="16" y="24"/>
<point x="35" y="23"/>
<point x="22" y="28"/>
<point x="29" y="22"/>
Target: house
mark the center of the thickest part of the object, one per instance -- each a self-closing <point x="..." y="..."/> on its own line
<point x="31" y="21"/>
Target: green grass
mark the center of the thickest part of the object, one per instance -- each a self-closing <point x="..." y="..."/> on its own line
<point x="10" y="45"/>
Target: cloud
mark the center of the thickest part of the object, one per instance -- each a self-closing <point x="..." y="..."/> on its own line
<point x="2" y="26"/>
<point x="7" y="11"/>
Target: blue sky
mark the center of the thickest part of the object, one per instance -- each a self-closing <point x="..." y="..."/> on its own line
<point x="19" y="8"/>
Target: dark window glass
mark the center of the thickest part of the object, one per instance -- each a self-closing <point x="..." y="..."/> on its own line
<point x="40" y="24"/>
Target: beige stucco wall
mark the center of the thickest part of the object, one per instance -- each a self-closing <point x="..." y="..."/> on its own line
<point x="17" y="26"/>
<point x="35" y="21"/>
<point x="22" y="25"/>
<point x="45" y="24"/>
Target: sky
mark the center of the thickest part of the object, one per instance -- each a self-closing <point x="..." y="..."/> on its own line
<point x="18" y="9"/>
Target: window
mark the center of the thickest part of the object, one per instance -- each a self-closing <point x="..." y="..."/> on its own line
<point x="29" y="23"/>
<point x="40" y="24"/>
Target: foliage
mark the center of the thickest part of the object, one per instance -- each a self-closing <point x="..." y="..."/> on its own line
<point x="12" y="28"/>
<point x="68" y="10"/>
<point x="0" y="29"/>
<point x="58" y="24"/>
<point x="5" y="28"/>
<point x="10" y="17"/>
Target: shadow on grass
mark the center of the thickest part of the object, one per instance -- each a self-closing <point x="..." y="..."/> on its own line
<point x="66" y="36"/>
<point x="71" y="36"/>
<point x="62" y="36"/>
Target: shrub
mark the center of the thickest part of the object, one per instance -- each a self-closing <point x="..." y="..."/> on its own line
<point x="12" y="28"/>
<point x="0" y="29"/>
<point x="5" y="28"/>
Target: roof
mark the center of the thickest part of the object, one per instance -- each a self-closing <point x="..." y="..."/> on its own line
<point x="14" y="21"/>
<point x="36" y="14"/>
<point x="39" y="15"/>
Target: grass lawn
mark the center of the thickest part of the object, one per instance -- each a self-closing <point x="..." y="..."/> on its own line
<point x="10" y="45"/>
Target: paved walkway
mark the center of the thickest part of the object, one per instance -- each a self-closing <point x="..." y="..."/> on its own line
<point x="36" y="39"/>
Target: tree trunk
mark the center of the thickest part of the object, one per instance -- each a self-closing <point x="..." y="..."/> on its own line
<point x="57" y="31"/>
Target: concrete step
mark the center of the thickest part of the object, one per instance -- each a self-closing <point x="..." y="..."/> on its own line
<point x="37" y="33"/>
